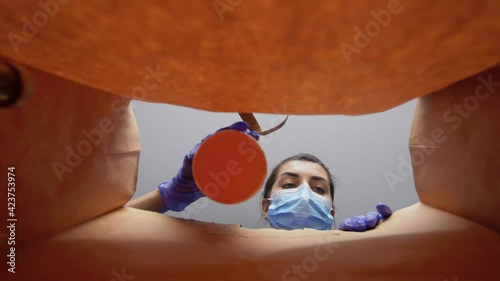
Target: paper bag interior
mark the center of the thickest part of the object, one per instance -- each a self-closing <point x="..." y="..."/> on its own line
<point x="264" y="57"/>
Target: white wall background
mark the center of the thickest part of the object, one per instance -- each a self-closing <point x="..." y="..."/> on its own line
<point x="359" y="151"/>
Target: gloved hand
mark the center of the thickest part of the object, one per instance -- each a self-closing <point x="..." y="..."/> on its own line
<point x="363" y="223"/>
<point x="181" y="191"/>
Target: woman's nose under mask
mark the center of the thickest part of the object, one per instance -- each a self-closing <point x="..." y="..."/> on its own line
<point x="298" y="208"/>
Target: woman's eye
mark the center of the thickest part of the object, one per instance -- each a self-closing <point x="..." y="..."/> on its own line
<point x="289" y="185"/>
<point x="319" y="190"/>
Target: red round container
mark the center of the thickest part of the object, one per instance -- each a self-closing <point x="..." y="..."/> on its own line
<point x="229" y="167"/>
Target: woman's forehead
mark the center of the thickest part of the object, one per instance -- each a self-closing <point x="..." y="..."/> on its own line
<point x="303" y="168"/>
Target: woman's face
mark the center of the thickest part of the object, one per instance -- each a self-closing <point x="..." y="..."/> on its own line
<point x="294" y="173"/>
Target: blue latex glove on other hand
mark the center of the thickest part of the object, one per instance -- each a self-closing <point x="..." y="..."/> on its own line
<point x="181" y="191"/>
<point x="363" y="223"/>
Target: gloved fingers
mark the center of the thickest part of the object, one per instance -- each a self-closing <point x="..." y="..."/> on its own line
<point x="186" y="170"/>
<point x="346" y="225"/>
<point x="184" y="184"/>
<point x="353" y="224"/>
<point x="254" y="134"/>
<point x="184" y="200"/>
<point x="198" y="194"/>
<point x="359" y="224"/>
<point x="177" y="201"/>
<point x="243" y="127"/>
<point x="384" y="210"/>
<point x="188" y="160"/>
<point x="371" y="220"/>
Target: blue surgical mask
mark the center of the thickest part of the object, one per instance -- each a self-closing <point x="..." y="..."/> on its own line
<point x="298" y="208"/>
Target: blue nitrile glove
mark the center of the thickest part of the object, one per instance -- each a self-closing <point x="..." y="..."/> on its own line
<point x="181" y="191"/>
<point x="363" y="223"/>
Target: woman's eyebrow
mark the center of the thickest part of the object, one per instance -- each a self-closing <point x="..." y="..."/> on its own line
<point x="318" y="178"/>
<point x="295" y="175"/>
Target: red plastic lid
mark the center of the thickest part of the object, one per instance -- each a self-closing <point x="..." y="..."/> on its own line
<point x="229" y="167"/>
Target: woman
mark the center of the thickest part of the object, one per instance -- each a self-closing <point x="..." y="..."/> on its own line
<point x="298" y="194"/>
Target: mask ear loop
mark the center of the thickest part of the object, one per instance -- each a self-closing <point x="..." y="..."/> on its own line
<point x="254" y="125"/>
<point x="268" y="199"/>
